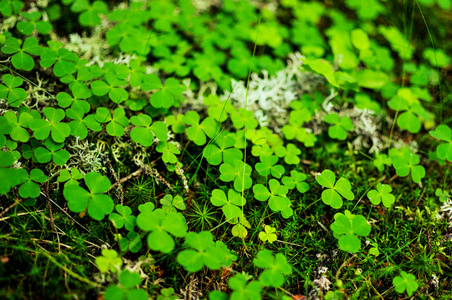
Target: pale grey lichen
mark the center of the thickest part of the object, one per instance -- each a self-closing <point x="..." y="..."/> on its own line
<point x="86" y="156"/>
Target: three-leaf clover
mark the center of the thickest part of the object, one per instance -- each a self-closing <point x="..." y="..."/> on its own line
<point x="108" y="261"/>
<point x="296" y="179"/>
<point x="53" y="152"/>
<point x="346" y="227"/>
<point x="166" y="95"/>
<point x="9" y="177"/>
<point x="19" y="125"/>
<point x="276" y="195"/>
<point x="27" y="27"/>
<point x="70" y="177"/>
<point x="268" y="166"/>
<point x="21" y="59"/>
<point x="269" y="235"/>
<point x="98" y="203"/>
<point x="169" y="204"/>
<point x="123" y="218"/>
<point x="79" y="123"/>
<point x="404" y="282"/>
<point x="443" y="133"/>
<point x="169" y="151"/>
<point x="230" y="204"/>
<point x="332" y="195"/>
<point x="131" y="242"/>
<point x="409" y="118"/>
<point x="381" y="194"/>
<point x="111" y="87"/>
<point x="204" y="252"/>
<point x="242" y="290"/>
<point x="161" y="225"/>
<point x="405" y="161"/>
<point x="58" y="130"/>
<point x="77" y="101"/>
<point x="239" y="172"/>
<point x="62" y="60"/>
<point x="29" y="189"/>
<point x="197" y="132"/>
<point x="144" y="133"/>
<point x="224" y="150"/>
<point x="276" y="266"/>
<point x="442" y="194"/>
<point x="340" y="126"/>
<point x="116" y="124"/>
<point x="290" y="153"/>
<point x="12" y="92"/>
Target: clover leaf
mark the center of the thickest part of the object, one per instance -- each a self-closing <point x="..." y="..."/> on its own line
<point x="230" y="204"/>
<point x="29" y="189"/>
<point x="123" y="218"/>
<point x="269" y="234"/>
<point x="27" y="27"/>
<point x="321" y="67"/>
<point x="340" y="126"/>
<point x="382" y="193"/>
<point x="442" y="194"/>
<point x="145" y="132"/>
<point x="131" y="242"/>
<point x="436" y="57"/>
<point x="405" y="161"/>
<point x="19" y="125"/>
<point x="204" y="252"/>
<point x="276" y="266"/>
<point x="346" y="227"/>
<point x="268" y="166"/>
<point x="70" y="177"/>
<point x="332" y="195"/>
<point x="9" y="7"/>
<point x="224" y="150"/>
<point x="80" y="124"/>
<point x="237" y="171"/>
<point x="169" y="204"/>
<point x="58" y="130"/>
<point x="21" y="59"/>
<point x="443" y="133"/>
<point x="9" y="177"/>
<point x="197" y="132"/>
<point x="116" y="124"/>
<point x="62" y="60"/>
<point x="108" y="261"/>
<point x="217" y="109"/>
<point x="90" y="14"/>
<point x="11" y="92"/>
<point x="276" y="196"/>
<point x="54" y="152"/>
<point x="169" y="150"/>
<point x="296" y="179"/>
<point x="97" y="202"/>
<point x="290" y="153"/>
<point x="110" y="87"/>
<point x="243" y="118"/>
<point x="405" y="281"/>
<point x="76" y="101"/>
<point x="167" y="94"/>
<point x="161" y="225"/>
<point x="244" y="290"/>
<point x="411" y="112"/>
<point x="381" y="160"/>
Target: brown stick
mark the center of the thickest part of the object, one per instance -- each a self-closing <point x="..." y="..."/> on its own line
<point x="18" y="201"/>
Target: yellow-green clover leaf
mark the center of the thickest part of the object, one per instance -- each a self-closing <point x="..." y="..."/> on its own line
<point x="346" y="227"/>
<point x="108" y="261"/>
<point x="169" y="204"/>
<point x="405" y="161"/>
<point x="276" y="266"/>
<point x="332" y="195"/>
<point x="381" y="194"/>
<point x="230" y="204"/>
<point x="269" y="235"/>
<point x="340" y="126"/>
<point x="276" y="196"/>
<point x="268" y="166"/>
<point x="244" y="290"/>
<point x="224" y="150"/>
<point x="443" y="133"/>
<point x="404" y="282"/>
<point x="197" y="132"/>
<point x="239" y="172"/>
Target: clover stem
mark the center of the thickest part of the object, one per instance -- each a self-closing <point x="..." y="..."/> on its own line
<point x="338" y="273"/>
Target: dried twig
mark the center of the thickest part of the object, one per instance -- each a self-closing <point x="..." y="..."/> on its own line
<point x="18" y="201"/>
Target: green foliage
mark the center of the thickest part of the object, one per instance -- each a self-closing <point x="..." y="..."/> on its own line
<point x="229" y="204"/>
<point x="404" y="282"/>
<point x="53" y="152"/>
<point x="109" y="261"/>
<point x="123" y="218"/>
<point x="53" y="126"/>
<point x="144" y="133"/>
<point x="269" y="234"/>
<point x="197" y="132"/>
<point x="244" y="290"/>
<point x="116" y="124"/>
<point x="22" y="59"/>
<point x="31" y="24"/>
<point x="11" y="90"/>
<point x="62" y="60"/>
<point x="340" y="126"/>
<point x="29" y="188"/>
<point x="112" y="87"/>
<point x="19" y="125"/>
<point x="444" y="150"/>
<point x="276" y="266"/>
<point x="381" y="194"/>
<point x="170" y="204"/>
<point x="332" y="195"/>
<point x="224" y="150"/>
<point x="239" y="172"/>
<point x="268" y="166"/>
<point x="296" y="179"/>
<point x="70" y="177"/>
<point x="406" y="162"/>
<point x="276" y="196"/>
<point x="166" y="95"/>
<point x="346" y="227"/>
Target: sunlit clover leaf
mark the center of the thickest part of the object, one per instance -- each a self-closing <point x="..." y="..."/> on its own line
<point x="109" y="261"/>
<point x="442" y="194"/>
<point x="29" y="189"/>
<point x="58" y="130"/>
<point x="290" y="153"/>
<point x="224" y="150"/>
<point x="123" y="218"/>
<point x="90" y="14"/>
<point x="346" y="227"/>
<point x="144" y="133"/>
<point x="166" y="95"/>
<point x="27" y="27"/>
<point x="11" y="91"/>
<point x="131" y="242"/>
<point x="70" y="177"/>
<point x="62" y="60"/>
<point x="276" y="195"/>
<point x="230" y="204"/>
<point x="381" y="160"/>
<point x="169" y="150"/>
<point x="161" y="225"/>
<point x="332" y="195"/>
<point x="169" y="204"/>
<point x="53" y="152"/>
<point x="110" y="87"/>
<point x="8" y="7"/>
<point x="371" y="79"/>
<point x="198" y="132"/>
<point x="219" y="110"/>
<point x="239" y="172"/>
<point x="9" y="177"/>
<point x="19" y="125"/>
<point x="296" y="179"/>
<point x="116" y="124"/>
<point x="381" y="194"/>
<point x="80" y="124"/>
<point x="405" y="161"/>
<point x="408" y="119"/>
<point x="404" y="282"/>
<point x="76" y="101"/>
<point x="436" y="57"/>
<point x="444" y="150"/>
<point x="269" y="235"/>
<point x="97" y="202"/>
<point x="340" y="126"/>
<point x="321" y="67"/>
<point x="243" y="118"/>
<point x="360" y="39"/>
<point x="276" y="266"/>
<point x="242" y="290"/>
<point x="21" y="59"/>
<point x="268" y="166"/>
<point x="398" y="41"/>
<point x="204" y="252"/>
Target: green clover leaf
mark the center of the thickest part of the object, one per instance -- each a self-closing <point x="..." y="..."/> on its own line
<point x="405" y="161"/>
<point x="442" y="194"/>
<point x="204" y="252"/>
<point x="116" y="124"/>
<point x="269" y="234"/>
<point x="290" y="153"/>
<point x="239" y="172"/>
<point x="123" y="217"/>
<point x="110" y="87"/>
<point x="9" y="7"/>
<point x="108" y="261"/>
<point x="276" y="266"/>
<point x="161" y="225"/>
<point x="340" y="126"/>
<point x="411" y="112"/>
<point x="346" y="227"/>
<point x="436" y="57"/>
<point x="443" y="133"/>
<point x="80" y="124"/>
<point x="169" y="150"/>
<point x="276" y="196"/>
<point x="167" y="95"/>
<point x="62" y="60"/>
<point x="382" y="193"/>
<point x="28" y="27"/>
<point x="268" y="166"/>
<point x="9" y="177"/>
<point x="77" y="101"/>
<point x="131" y="242"/>
<point x="70" y="177"/>
<point x="11" y="92"/>
<point x="97" y="202"/>
<point x="58" y="130"/>
<point x="145" y="132"/>
<point x="21" y="59"/>
<point x="224" y="150"/>
<point x="404" y="282"/>
<point x="243" y="119"/>
<point x="381" y="160"/>
<point x="242" y="290"/>
<point x="230" y="204"/>
<point x="90" y="14"/>
<point x="217" y="109"/>
<point x="169" y="204"/>
<point x="29" y="189"/>
<point x="19" y="125"/>
<point x="197" y="132"/>
<point x="332" y="195"/>
<point x="296" y="179"/>
<point x="54" y="152"/>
